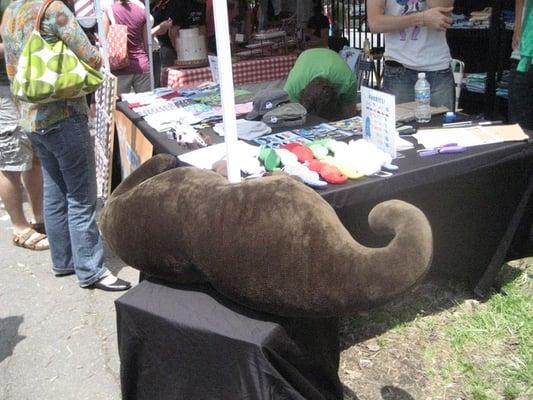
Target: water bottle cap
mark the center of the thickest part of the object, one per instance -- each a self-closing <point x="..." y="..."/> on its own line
<point x="421" y="75"/>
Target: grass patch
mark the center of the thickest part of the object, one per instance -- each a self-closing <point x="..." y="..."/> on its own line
<point x="436" y="342"/>
<point x="492" y="345"/>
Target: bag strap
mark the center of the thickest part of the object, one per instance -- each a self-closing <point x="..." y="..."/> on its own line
<point x="111" y="15"/>
<point x="40" y="14"/>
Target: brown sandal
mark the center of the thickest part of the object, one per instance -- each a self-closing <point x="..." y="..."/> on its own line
<point x="39" y="227"/>
<point x="32" y="240"/>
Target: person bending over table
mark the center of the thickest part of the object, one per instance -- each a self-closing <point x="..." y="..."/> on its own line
<point x="415" y="37"/>
<point x="331" y="97"/>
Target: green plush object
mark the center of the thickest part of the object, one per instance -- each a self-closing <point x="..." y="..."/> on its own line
<point x="271" y="244"/>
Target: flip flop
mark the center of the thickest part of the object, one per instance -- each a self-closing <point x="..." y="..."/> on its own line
<point x="303" y="153"/>
<point x="328" y="172"/>
<point x="269" y="157"/>
<point x="286" y="157"/>
<point x="309" y="177"/>
<point x="32" y="240"/>
<point x="319" y="150"/>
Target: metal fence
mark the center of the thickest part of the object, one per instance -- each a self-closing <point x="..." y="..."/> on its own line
<point x="349" y="20"/>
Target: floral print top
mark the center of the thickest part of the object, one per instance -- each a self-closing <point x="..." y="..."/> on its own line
<point x="58" y="23"/>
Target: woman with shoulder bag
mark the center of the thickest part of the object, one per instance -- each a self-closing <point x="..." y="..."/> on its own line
<point x="136" y="75"/>
<point x="59" y="132"/>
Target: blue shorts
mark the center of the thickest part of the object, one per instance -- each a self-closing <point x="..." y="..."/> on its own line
<point x="400" y="81"/>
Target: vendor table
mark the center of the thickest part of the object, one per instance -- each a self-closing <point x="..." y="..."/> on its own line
<point x="244" y="72"/>
<point x="478" y="202"/>
<point x="189" y="343"/>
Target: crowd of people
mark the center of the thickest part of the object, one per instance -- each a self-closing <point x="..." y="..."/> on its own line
<point x="47" y="150"/>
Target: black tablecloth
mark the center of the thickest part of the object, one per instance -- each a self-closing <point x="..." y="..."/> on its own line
<point x="189" y="343"/>
<point x="478" y="202"/>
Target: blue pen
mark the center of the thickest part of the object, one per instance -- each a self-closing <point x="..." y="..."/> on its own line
<point x="444" y="149"/>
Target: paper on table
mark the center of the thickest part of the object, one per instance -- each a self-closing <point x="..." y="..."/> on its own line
<point x="402" y="144"/>
<point x="207" y="156"/>
<point x="470" y="136"/>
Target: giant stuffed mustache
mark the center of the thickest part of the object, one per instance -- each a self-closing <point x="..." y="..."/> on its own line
<point x="271" y="244"/>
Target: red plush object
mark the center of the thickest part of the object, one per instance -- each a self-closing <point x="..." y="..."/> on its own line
<point x="332" y="174"/>
<point x="303" y="153"/>
<point x="329" y="173"/>
<point x="315" y="165"/>
<point x="289" y="146"/>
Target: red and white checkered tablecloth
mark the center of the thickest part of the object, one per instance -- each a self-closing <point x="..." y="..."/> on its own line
<point x="248" y="71"/>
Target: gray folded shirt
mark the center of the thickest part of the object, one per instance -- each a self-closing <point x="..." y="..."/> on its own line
<point x="289" y="114"/>
<point x="247" y="130"/>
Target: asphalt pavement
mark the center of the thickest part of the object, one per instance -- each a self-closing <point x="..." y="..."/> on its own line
<point x="57" y="341"/>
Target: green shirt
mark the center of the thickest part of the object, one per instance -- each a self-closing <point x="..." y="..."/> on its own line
<point x="526" y="41"/>
<point x="321" y="63"/>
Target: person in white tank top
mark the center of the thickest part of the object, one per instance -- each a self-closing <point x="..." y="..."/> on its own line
<point x="415" y="41"/>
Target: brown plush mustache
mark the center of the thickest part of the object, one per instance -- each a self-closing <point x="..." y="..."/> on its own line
<point x="271" y="243"/>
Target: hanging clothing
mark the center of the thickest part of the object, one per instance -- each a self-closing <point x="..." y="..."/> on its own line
<point x="526" y="40"/>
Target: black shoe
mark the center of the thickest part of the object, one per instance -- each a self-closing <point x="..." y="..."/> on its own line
<point x="117" y="285"/>
<point x="60" y="274"/>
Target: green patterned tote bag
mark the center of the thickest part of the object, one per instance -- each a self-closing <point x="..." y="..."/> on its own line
<point x="50" y="72"/>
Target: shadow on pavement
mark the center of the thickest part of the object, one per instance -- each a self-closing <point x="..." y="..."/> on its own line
<point x="9" y="336"/>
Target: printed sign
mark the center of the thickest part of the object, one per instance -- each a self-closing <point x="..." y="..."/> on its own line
<point x="213" y="65"/>
<point x="379" y="119"/>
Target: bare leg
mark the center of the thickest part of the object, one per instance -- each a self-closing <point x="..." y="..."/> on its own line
<point x="33" y="182"/>
<point x="11" y="194"/>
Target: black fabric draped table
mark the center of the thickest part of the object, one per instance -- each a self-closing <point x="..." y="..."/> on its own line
<point x="478" y="202"/>
<point x="188" y="343"/>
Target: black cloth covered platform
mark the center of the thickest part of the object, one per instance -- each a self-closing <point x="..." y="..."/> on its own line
<point x="478" y="202"/>
<point x="188" y="343"/>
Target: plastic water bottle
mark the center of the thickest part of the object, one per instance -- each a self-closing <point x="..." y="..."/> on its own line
<point x="422" y="99"/>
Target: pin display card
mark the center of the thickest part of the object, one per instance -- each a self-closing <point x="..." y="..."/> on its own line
<point x="277" y="139"/>
<point x="379" y="119"/>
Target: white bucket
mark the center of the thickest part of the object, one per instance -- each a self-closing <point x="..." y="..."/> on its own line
<point x="191" y="46"/>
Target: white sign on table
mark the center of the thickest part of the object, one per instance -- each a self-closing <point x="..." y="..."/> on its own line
<point x="213" y="66"/>
<point x="379" y="119"/>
